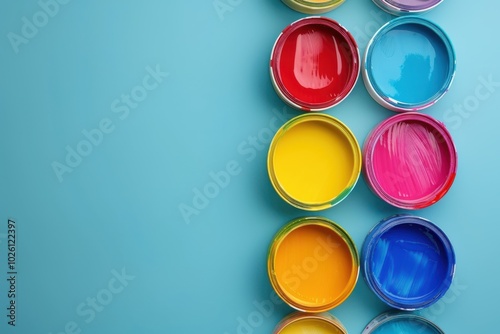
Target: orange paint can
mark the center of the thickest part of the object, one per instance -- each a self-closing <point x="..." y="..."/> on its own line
<point x="313" y="264"/>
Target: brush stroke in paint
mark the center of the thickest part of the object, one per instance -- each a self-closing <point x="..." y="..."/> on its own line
<point x="315" y="63"/>
<point x="408" y="262"/>
<point x="410" y="160"/>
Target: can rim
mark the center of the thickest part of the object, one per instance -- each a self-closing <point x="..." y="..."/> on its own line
<point x="405" y="10"/>
<point x="310" y="7"/>
<point x="298" y="316"/>
<point x="355" y="149"/>
<point x="389" y="316"/>
<point x="374" y="236"/>
<point x="390" y="103"/>
<point x="276" y="243"/>
<point x="369" y="171"/>
<point x="278" y="84"/>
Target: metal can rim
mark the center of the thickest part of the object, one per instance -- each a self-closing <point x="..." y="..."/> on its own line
<point x="389" y="316"/>
<point x="309" y="7"/>
<point x="405" y="10"/>
<point x="298" y="316"/>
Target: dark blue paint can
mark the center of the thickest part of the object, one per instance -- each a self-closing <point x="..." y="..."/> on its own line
<point x="408" y="262"/>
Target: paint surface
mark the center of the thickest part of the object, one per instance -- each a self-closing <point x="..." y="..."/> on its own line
<point x="314" y="161"/>
<point x="409" y="63"/>
<point x="413" y="4"/>
<point x="405" y="326"/>
<point x="314" y="266"/>
<point x="315" y="64"/>
<point x="411" y="160"/>
<point x="310" y="326"/>
<point x="409" y="262"/>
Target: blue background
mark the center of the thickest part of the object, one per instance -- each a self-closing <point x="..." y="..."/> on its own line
<point x="119" y="208"/>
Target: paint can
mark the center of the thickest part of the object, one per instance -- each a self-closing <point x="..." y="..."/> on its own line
<point x="408" y="262"/>
<point x="314" y="161"/>
<point x="313" y="264"/>
<point x="409" y="64"/>
<point x="401" y="322"/>
<point x="410" y="160"/>
<point x="405" y="7"/>
<point x="320" y="323"/>
<point x="314" y="64"/>
<point x="313" y="6"/>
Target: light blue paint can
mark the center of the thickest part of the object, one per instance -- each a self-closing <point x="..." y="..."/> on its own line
<point x="408" y="262"/>
<point x="409" y="64"/>
<point x="401" y="323"/>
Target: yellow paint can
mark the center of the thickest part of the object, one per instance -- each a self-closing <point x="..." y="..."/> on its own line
<point x="314" y="161"/>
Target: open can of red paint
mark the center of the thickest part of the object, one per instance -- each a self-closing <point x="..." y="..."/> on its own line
<point x="314" y="64"/>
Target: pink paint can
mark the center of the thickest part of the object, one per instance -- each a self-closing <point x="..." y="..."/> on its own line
<point x="410" y="160"/>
